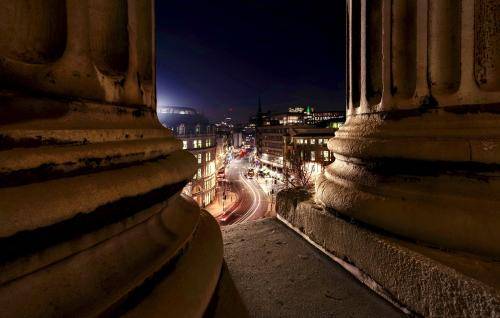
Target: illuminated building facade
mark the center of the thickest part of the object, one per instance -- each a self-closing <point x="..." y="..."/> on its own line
<point x="279" y="132"/>
<point x="248" y="133"/>
<point x="198" y="137"/>
<point x="270" y="145"/>
<point x="277" y="142"/>
<point x="302" y="116"/>
<point x="311" y="146"/>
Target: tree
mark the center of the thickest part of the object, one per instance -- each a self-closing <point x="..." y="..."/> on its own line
<point x="297" y="175"/>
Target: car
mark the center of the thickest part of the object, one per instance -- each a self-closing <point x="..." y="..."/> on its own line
<point x="250" y="174"/>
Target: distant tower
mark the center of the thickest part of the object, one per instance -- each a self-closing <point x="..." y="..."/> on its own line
<point x="259" y="115"/>
<point x="258" y="123"/>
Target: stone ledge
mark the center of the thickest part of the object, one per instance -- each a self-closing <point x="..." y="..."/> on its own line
<point x="278" y="274"/>
<point x="429" y="282"/>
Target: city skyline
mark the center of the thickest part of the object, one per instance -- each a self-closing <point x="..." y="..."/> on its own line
<point x="283" y="52"/>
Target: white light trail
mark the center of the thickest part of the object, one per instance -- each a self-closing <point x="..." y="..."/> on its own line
<point x="251" y="210"/>
<point x="257" y="200"/>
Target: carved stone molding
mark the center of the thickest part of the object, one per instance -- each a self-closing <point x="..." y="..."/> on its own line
<point x="419" y="155"/>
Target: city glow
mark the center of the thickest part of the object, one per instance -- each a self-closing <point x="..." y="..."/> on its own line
<point x="164" y="100"/>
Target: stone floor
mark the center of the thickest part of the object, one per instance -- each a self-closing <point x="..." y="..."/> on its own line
<point x="273" y="272"/>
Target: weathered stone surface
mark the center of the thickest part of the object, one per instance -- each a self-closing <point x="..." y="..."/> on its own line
<point x="102" y="188"/>
<point x="226" y="302"/>
<point x="422" y="160"/>
<point x="80" y="49"/>
<point x="430" y="282"/>
<point x="187" y="289"/>
<point x="91" y="217"/>
<point x="100" y="274"/>
<point x="278" y="274"/>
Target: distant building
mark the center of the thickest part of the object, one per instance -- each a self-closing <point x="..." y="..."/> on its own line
<point x="237" y="139"/>
<point x="248" y="134"/>
<point x="224" y="126"/>
<point x="299" y="131"/>
<point x="270" y="145"/>
<point x="221" y="150"/>
<point x="198" y="136"/>
<point x="311" y="145"/>
<point x="301" y="116"/>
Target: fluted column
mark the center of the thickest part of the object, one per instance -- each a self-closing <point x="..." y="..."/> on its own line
<point x="419" y="155"/>
<point x="91" y="216"/>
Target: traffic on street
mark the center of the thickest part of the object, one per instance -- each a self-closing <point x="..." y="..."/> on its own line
<point x="252" y="202"/>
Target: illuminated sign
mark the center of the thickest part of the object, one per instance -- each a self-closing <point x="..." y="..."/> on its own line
<point x="296" y="109"/>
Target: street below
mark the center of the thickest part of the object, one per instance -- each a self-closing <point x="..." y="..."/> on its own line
<point x="252" y="203"/>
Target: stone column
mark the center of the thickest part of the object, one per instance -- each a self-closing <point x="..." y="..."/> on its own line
<point x="91" y="216"/>
<point x="419" y="155"/>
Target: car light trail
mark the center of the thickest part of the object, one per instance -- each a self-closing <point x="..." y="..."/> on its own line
<point x="251" y="198"/>
<point x="255" y="200"/>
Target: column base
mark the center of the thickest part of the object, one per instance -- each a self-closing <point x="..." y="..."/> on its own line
<point x="427" y="281"/>
<point x="429" y="177"/>
<point x="189" y="287"/>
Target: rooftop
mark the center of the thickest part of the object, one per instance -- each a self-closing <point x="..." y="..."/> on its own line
<point x="173" y="116"/>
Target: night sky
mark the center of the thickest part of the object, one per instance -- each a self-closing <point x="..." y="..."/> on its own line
<point x="220" y="56"/>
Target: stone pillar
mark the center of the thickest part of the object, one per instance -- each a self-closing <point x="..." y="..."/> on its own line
<point x="419" y="155"/>
<point x="91" y="216"/>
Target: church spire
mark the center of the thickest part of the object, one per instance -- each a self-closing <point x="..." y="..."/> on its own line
<point x="259" y="114"/>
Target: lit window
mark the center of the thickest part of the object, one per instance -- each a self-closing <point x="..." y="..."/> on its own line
<point x="207" y="143"/>
<point x="320" y="141"/>
<point x="326" y="155"/>
<point x="313" y="155"/>
<point x="198" y="174"/>
<point x="313" y="141"/>
<point x="208" y="156"/>
<point x="181" y="129"/>
<point x="198" y="156"/>
<point x="197" y="129"/>
<point x="184" y="144"/>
